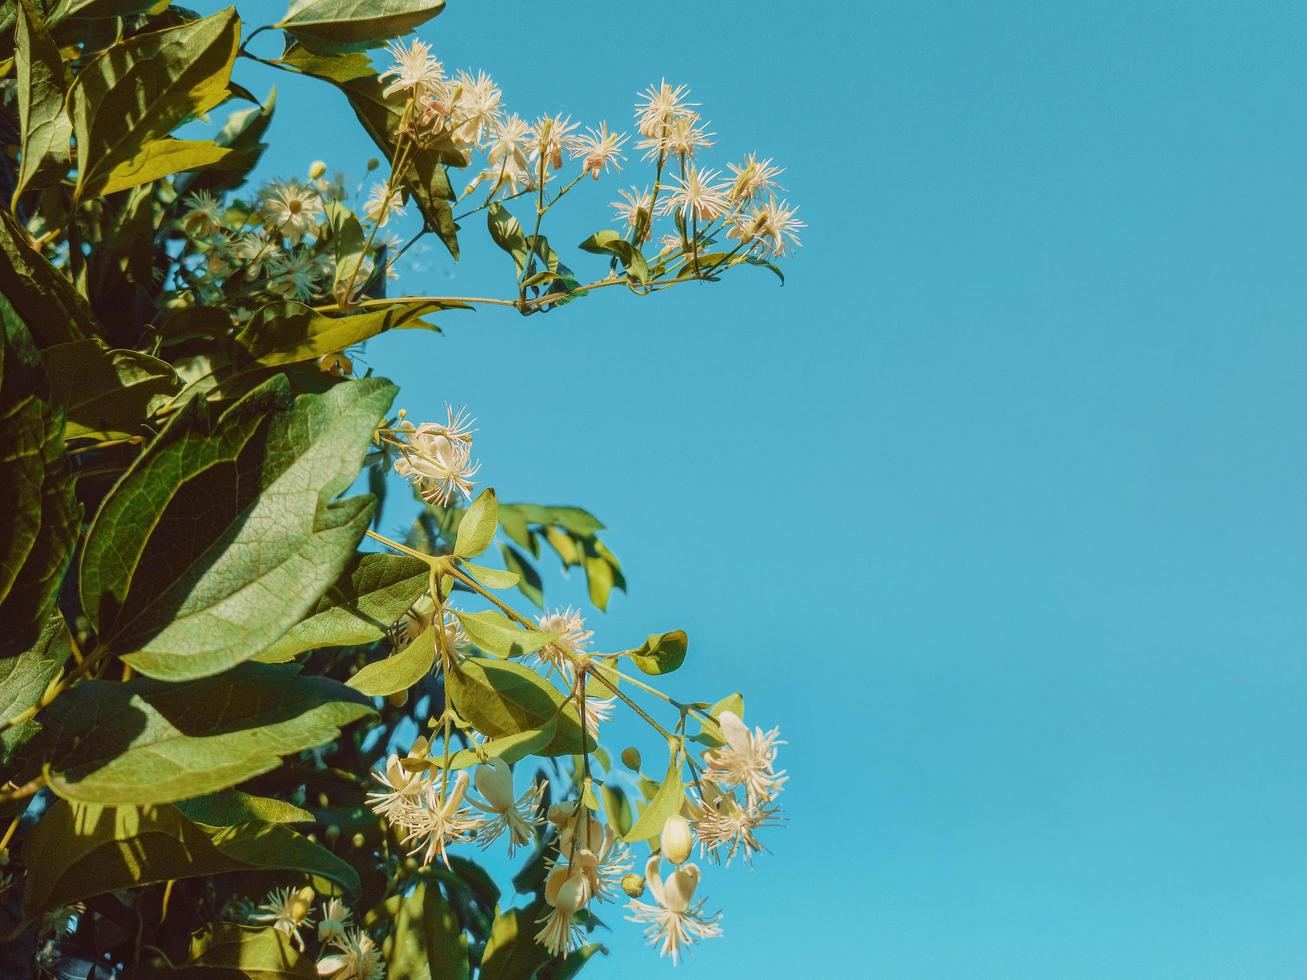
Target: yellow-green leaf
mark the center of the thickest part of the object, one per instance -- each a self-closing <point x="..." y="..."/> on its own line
<point x="477" y="528"/>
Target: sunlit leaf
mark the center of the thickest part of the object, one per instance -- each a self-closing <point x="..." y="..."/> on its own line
<point x="42" y="86"/>
<point x="343" y="25"/>
<point x="400" y="671"/>
<point x="662" y="653"/>
<point x="501" y="698"/>
<point x="666" y="802"/>
<point x="477" y="528"/>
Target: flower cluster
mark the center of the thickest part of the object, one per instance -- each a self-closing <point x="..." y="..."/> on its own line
<point x="347" y="952"/>
<point x="436" y="457"/>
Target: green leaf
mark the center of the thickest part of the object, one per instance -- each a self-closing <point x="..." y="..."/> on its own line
<point x="530" y="584"/>
<point x="507" y="233"/>
<point x="477" y="528"/>
<point x="100" y="8"/>
<point x="662" y="653"/>
<point x="76" y="852"/>
<point x="158" y="158"/>
<point x="763" y="263"/>
<point x="495" y="633"/>
<point x="230" y="807"/>
<point x="241" y="133"/>
<point x="42" y="85"/>
<point x="492" y="578"/>
<point x="511" y="951"/>
<point x="502" y="698"/>
<point x="611" y="242"/>
<point x="372" y="594"/>
<point x="345" y="25"/>
<point x="709" y="732"/>
<point x="24" y="678"/>
<point x="148" y="741"/>
<point x="400" y="670"/>
<point x="226" y="949"/>
<point x="285" y="333"/>
<point x="427" y="942"/>
<point x="106" y="394"/>
<point x="510" y="748"/>
<point x="574" y="962"/>
<point x="40" y="515"/>
<point x="666" y="802"/>
<point x="40" y="295"/>
<point x="223" y="534"/>
<point x="139" y="90"/>
<point x="617" y="808"/>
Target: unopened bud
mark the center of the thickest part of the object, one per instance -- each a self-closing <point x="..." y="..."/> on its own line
<point x="631" y="758"/>
<point x="303" y="902"/>
<point x="358" y="840"/>
<point x="316" y="169"/>
<point x="373" y="164"/>
<point x="332" y="832"/>
<point x="398" y="698"/>
<point x="633" y="885"/>
<point x="676" y="840"/>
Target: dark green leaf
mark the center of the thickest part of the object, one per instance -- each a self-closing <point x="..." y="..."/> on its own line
<point x="611" y="242"/>
<point x="148" y="741"/>
<point x="222" y="535"/>
<point x="42" y="85"/>
<point x="41" y="296"/>
<point x="106" y="394"/>
<point x="226" y="950"/>
<point x="501" y="698"/>
<point x="511" y="951"/>
<point x="427" y="942"/>
<point x="507" y="233"/>
<point x="24" y="678"/>
<point x="345" y="25"/>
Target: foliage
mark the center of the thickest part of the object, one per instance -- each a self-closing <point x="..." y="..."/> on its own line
<point x="241" y="732"/>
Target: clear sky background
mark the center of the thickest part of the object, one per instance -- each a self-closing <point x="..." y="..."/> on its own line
<point x="998" y="508"/>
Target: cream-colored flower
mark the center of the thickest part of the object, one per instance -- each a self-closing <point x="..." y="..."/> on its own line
<point x="203" y="215"/>
<point x="632" y="205"/>
<point x="659" y="106"/>
<point x="415" y="69"/>
<point x="476" y="109"/>
<point x="599" y="150"/>
<point x="402" y="795"/>
<point x="566" y="892"/>
<point x="298" y="276"/>
<point x="597" y="711"/>
<point x="290" y="209"/>
<point x="336" y="919"/>
<point x="676" y="920"/>
<point x="752" y="177"/>
<point x="356" y="958"/>
<point x="437" y="460"/>
<point x="551" y="137"/>
<point x="680" y="137"/>
<point x="698" y="194"/>
<point x="508" y="163"/>
<point x="254" y="251"/>
<point x="383" y="203"/>
<point x="519" y="817"/>
<point x="570" y="645"/>
<point x="725" y="827"/>
<point x="442" y="820"/>
<point x="676" y="841"/>
<point x="286" y="911"/>
<point x="772" y="227"/>
<point x="748" y="759"/>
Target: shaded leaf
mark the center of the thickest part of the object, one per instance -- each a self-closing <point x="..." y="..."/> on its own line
<point x="254" y="952"/>
<point x="225" y="531"/>
<point x="511" y="951"/>
<point x="241" y="133"/>
<point x="344" y="25"/>
<point x="229" y="807"/>
<point x="42" y="85"/>
<point x="41" y="296"/>
<point x="530" y="583"/>
<point x="501" y="698"/>
<point x="612" y="243"/>
<point x="427" y="941"/>
<point x="284" y="333"/>
<point x="106" y="393"/>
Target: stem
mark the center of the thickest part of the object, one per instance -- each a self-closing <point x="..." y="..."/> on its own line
<point x="22" y="792"/>
<point x="634" y="707"/>
<point x="405" y="549"/>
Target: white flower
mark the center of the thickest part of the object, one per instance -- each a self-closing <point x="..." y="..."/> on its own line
<point x="335" y="920"/>
<point x="438" y="458"/>
<point x="571" y="644"/>
<point x="659" y="107"/>
<point x="631" y="206"/>
<point x="724" y="826"/>
<point x="286" y="911"/>
<point x="597" y="710"/>
<point x="403" y="793"/>
<point x="747" y="759"/>
<point x="595" y="851"/>
<point x="476" y="108"/>
<point x="494" y="781"/>
<point x="676" y="921"/>
<point x="508" y="164"/>
<point x="679" y="138"/>
<point x="772" y="226"/>
<point x="290" y="209"/>
<point x="441" y="821"/>
<point x="297" y="277"/>
<point x="203" y="215"/>
<point x="254" y="250"/>
<point x="550" y="137"/>
<point x="357" y="959"/>
<point x="567" y="892"/>
<point x="752" y="177"/>
<point x="598" y="149"/>
<point x="383" y="203"/>
<point x="696" y="195"/>
<point x="415" y="69"/>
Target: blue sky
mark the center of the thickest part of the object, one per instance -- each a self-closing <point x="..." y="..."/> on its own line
<point x="997" y="508"/>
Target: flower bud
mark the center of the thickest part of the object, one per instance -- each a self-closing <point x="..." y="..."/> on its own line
<point x="332" y="833"/>
<point x="586" y="834"/>
<point x="316" y="169"/>
<point x="303" y="902"/>
<point x="373" y="164"/>
<point x="494" y="781"/>
<point x="633" y="885"/>
<point x="631" y="758"/>
<point x="676" y="840"/>
<point x="573" y="894"/>
<point x="398" y="699"/>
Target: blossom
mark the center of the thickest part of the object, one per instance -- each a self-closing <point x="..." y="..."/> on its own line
<point x="550" y="136"/>
<point x="357" y="958"/>
<point x="696" y="195"/>
<point x="335" y="920"/>
<point x="680" y="137"/>
<point x="633" y="204"/>
<point x="441" y="820"/>
<point x="772" y="226"/>
<point x="403" y="792"/>
<point x="724" y="826"/>
<point x="494" y="781"/>
<point x="597" y="710"/>
<point x="575" y="637"/>
<point x="566" y="892"/>
<point x="254" y="250"/>
<point x="295" y="277"/>
<point x="599" y="149"/>
<point x="476" y="108"/>
<point x="752" y="177"/>
<point x="415" y="69"/>
<point x="203" y="215"/>
<point x="659" y="107"/>
<point x="383" y="203"/>
<point x="438" y="458"/>
<point x="747" y="759"/>
<point x="286" y="911"/>
<point x="61" y="921"/>
<point x="676" y="920"/>
<point x="290" y="209"/>
<point x="507" y="157"/>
